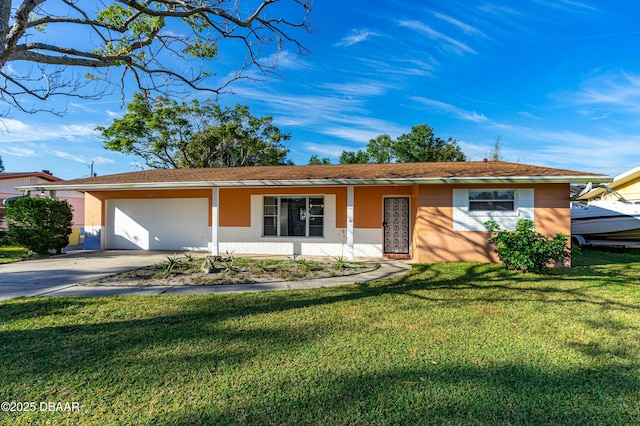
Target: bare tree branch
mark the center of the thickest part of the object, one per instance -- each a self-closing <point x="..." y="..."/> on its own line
<point x="161" y="45"/>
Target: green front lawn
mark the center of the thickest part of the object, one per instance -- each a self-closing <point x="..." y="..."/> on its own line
<point x="458" y="343"/>
<point x="10" y="254"/>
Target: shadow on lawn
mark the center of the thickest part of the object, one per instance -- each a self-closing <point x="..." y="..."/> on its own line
<point x="591" y="256"/>
<point x="46" y="351"/>
<point x="493" y="283"/>
<point x="94" y="351"/>
<point x="436" y="395"/>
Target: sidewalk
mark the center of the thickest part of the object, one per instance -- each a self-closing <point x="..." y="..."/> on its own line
<point x="388" y="269"/>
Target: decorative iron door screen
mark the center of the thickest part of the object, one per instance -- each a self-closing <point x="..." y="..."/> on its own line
<point x="396" y="225"/>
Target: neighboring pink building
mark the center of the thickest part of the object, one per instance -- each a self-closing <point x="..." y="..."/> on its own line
<point x="10" y="180"/>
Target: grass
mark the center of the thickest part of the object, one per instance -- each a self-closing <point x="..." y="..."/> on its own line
<point x="458" y="343"/>
<point x="10" y="254"/>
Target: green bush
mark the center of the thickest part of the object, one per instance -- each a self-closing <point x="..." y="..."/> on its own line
<point x="526" y="250"/>
<point x="3" y="237"/>
<point x="39" y="224"/>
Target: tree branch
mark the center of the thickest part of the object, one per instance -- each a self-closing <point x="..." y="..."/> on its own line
<point x="140" y="38"/>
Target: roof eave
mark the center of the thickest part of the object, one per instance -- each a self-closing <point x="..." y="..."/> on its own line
<point x="320" y="182"/>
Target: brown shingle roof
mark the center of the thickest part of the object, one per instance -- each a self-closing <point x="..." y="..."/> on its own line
<point x="43" y="175"/>
<point x="335" y="174"/>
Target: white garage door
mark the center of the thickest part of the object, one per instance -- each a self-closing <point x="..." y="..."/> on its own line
<point x="163" y="224"/>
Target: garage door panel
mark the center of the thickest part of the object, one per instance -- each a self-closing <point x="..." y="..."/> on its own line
<point x="129" y="234"/>
<point x="163" y="224"/>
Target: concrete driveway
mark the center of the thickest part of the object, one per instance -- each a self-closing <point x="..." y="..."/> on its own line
<point x="60" y="276"/>
<point x="42" y="277"/>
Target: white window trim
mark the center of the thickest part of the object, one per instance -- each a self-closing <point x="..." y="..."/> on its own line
<point x="308" y="216"/>
<point x="494" y="213"/>
<point x="465" y="220"/>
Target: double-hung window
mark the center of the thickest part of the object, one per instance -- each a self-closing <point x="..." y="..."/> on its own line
<point x="492" y="200"/>
<point x="293" y="216"/>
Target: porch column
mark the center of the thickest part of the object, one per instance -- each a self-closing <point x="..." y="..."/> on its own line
<point x="214" y="221"/>
<point x="350" y="197"/>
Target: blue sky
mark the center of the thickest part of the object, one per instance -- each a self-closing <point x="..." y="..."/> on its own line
<point x="557" y="80"/>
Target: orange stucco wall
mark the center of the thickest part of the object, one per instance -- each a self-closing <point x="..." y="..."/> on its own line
<point x="433" y="237"/>
<point x="94" y="201"/>
<point x="93" y="211"/>
<point x="552" y="212"/>
<point x="367" y="200"/>
<point x="235" y="203"/>
<point x="435" y="240"/>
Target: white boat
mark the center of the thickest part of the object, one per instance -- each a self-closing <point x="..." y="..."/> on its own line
<point x="606" y="219"/>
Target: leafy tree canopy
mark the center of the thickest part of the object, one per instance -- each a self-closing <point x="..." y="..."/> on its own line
<point x="317" y="160"/>
<point x="148" y="43"/>
<point x="1" y="165"/>
<point x="419" y="145"/>
<point x="172" y="135"/>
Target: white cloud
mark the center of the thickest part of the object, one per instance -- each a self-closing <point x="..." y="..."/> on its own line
<point x="8" y="125"/>
<point x="616" y="151"/>
<point x="363" y="88"/>
<point x="467" y="29"/>
<point x="329" y="150"/>
<point x="79" y="129"/>
<point x="568" y="5"/>
<point x="93" y="107"/>
<point x="344" y="117"/>
<point x="356" y="36"/>
<point x="476" y="151"/>
<point x="80" y="158"/>
<point x="529" y="115"/>
<point x="19" y="152"/>
<point x="18" y="131"/>
<point x="69" y="156"/>
<point x="103" y="160"/>
<point x="287" y="60"/>
<point x="400" y="67"/>
<point x="451" y="109"/>
<point x="449" y="42"/>
<point x="620" y="92"/>
<point x="350" y="133"/>
<point x="304" y="110"/>
<point x="496" y="10"/>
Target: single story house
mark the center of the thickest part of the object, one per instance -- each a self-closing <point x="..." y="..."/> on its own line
<point x="425" y="211"/>
<point x="10" y="180"/>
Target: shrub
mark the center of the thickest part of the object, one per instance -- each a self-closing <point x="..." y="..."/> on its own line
<point x="169" y="265"/>
<point x="526" y="250"/>
<point x="3" y="237"/>
<point x="39" y="224"/>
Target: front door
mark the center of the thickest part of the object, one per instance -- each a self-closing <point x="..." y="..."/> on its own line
<point x="396" y="225"/>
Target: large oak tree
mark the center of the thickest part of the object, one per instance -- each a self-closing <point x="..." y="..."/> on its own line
<point x="419" y="145"/>
<point x="172" y="135"/>
<point x="70" y="47"/>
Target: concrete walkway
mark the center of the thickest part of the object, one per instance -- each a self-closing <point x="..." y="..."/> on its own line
<point x="64" y="275"/>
